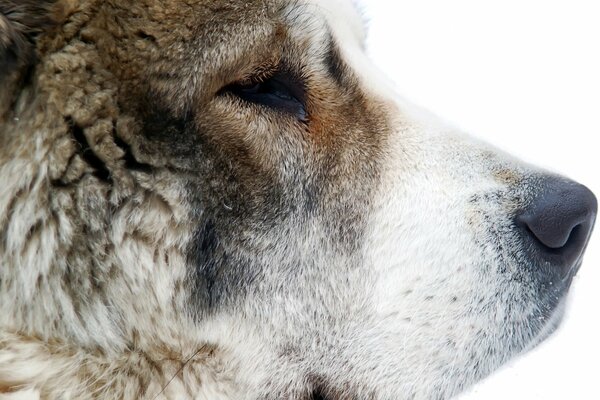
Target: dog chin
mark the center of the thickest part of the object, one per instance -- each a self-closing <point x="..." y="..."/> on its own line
<point x="550" y="323"/>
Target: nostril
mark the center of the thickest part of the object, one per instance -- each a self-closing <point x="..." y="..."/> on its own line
<point x="551" y="234"/>
<point x="560" y="220"/>
<point x="555" y="244"/>
<point x="575" y="235"/>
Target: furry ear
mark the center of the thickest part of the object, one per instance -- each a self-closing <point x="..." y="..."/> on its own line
<point x="20" y="22"/>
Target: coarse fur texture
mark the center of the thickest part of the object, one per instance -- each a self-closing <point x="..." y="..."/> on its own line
<point x="165" y="235"/>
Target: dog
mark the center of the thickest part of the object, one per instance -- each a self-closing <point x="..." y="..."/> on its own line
<point x="224" y="200"/>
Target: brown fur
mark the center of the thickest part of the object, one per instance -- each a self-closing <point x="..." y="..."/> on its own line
<point x="122" y="142"/>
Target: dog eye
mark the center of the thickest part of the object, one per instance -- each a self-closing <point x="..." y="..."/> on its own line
<point x="278" y="92"/>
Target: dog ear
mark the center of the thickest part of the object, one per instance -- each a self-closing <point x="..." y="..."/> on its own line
<point x="20" y="22"/>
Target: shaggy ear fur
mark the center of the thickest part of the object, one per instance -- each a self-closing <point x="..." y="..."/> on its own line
<point x="20" y="22"/>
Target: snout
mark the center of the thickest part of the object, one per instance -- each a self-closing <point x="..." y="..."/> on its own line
<point x="558" y="222"/>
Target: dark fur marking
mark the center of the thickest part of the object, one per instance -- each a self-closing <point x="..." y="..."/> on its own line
<point x="86" y="152"/>
<point x="208" y="258"/>
<point x="323" y="391"/>
<point x="160" y="123"/>
<point x="334" y="64"/>
<point x="131" y="163"/>
<point x="173" y="134"/>
<point x="317" y="395"/>
<point x="145" y="36"/>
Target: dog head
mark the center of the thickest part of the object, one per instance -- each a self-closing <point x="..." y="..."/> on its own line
<point x="235" y="180"/>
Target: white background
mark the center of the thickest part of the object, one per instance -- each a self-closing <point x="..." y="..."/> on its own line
<point x="525" y="76"/>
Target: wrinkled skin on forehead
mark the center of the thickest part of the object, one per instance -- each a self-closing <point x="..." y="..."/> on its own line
<point x="162" y="237"/>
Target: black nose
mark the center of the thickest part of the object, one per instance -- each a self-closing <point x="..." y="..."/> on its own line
<point x="560" y="220"/>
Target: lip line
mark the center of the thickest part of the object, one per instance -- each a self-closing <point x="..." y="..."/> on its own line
<point x="550" y="325"/>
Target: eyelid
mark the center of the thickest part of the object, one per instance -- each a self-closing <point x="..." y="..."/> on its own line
<point x="257" y="75"/>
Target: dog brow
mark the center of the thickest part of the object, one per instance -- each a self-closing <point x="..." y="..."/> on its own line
<point x="333" y="61"/>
